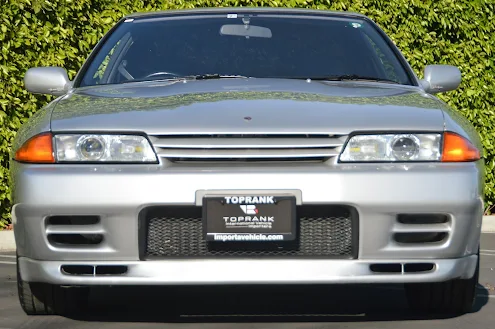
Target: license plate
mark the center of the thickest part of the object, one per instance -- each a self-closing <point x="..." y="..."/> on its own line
<point x="249" y="218"/>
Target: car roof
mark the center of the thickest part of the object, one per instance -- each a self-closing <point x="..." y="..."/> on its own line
<point x="238" y="10"/>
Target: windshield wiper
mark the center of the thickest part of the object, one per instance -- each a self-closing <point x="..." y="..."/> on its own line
<point x="351" y="77"/>
<point x="212" y="76"/>
<point x="188" y="77"/>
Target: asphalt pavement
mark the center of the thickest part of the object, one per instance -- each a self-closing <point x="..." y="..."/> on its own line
<point x="248" y="307"/>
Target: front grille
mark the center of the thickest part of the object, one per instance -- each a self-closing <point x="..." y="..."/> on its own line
<point x="328" y="233"/>
<point x="248" y="147"/>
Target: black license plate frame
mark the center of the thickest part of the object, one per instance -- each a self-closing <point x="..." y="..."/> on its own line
<point x="249" y="218"/>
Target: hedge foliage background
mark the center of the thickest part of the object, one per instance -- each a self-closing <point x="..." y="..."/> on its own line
<point x="62" y="33"/>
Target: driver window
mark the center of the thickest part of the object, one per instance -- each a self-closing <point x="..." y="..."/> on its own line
<point x="106" y="68"/>
<point x="100" y="72"/>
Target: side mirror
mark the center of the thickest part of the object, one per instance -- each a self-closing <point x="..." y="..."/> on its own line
<point x="441" y="78"/>
<point x="47" y="80"/>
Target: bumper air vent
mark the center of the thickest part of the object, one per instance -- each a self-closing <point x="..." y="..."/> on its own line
<point x="91" y="270"/>
<point x="420" y="237"/>
<point x="74" y="231"/>
<point x="402" y="268"/>
<point x="75" y="239"/>
<point x="422" y="219"/>
<point x="73" y="220"/>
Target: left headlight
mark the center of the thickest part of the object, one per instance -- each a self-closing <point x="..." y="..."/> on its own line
<point x="103" y="148"/>
<point x="393" y="148"/>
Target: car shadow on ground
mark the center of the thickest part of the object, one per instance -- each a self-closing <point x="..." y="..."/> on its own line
<point x="356" y="303"/>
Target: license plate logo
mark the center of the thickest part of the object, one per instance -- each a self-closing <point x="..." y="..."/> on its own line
<point x="249" y="209"/>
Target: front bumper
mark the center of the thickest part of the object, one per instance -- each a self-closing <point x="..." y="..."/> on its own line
<point x="242" y="271"/>
<point x="378" y="193"/>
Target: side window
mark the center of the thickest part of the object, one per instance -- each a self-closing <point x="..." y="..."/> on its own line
<point x="387" y="59"/>
<point x="385" y="64"/>
<point x="102" y="68"/>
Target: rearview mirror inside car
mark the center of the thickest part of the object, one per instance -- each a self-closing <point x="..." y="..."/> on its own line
<point x="246" y="31"/>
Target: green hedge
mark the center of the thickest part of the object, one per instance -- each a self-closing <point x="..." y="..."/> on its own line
<point x="62" y="32"/>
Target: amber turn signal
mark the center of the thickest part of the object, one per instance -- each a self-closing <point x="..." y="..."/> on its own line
<point x="458" y="149"/>
<point x="38" y="149"/>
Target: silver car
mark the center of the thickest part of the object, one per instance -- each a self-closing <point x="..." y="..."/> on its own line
<point x="246" y="146"/>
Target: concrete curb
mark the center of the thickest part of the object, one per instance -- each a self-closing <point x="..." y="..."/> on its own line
<point x="7" y="241"/>
<point x="488" y="225"/>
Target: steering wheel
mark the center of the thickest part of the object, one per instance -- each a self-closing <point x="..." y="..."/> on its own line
<point x="170" y="74"/>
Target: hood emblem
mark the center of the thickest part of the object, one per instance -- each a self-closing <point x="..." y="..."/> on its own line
<point x="247" y="119"/>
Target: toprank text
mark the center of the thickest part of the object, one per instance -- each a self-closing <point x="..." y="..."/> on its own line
<point x="249" y="219"/>
<point x="249" y="199"/>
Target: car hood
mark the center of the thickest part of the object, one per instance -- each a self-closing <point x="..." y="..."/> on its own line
<point x="248" y="106"/>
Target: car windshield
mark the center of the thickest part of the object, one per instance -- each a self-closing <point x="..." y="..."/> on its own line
<point x="257" y="45"/>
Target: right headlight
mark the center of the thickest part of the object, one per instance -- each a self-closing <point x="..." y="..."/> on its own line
<point x="103" y="148"/>
<point x="409" y="147"/>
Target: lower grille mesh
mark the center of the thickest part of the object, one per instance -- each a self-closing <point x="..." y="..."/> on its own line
<point x="327" y="237"/>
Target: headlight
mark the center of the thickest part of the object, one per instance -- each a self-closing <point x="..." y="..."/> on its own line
<point x="393" y="148"/>
<point x="103" y="148"/>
